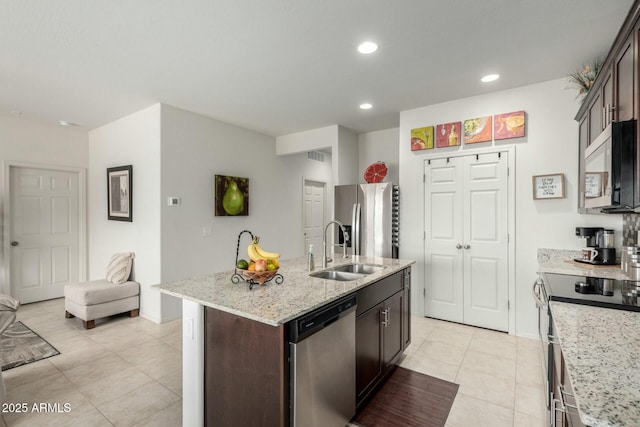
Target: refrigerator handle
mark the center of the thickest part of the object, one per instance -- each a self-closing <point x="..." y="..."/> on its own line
<point x="357" y="229"/>
<point x="354" y="229"/>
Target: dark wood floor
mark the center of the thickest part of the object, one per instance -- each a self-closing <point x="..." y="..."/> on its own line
<point x="409" y="399"/>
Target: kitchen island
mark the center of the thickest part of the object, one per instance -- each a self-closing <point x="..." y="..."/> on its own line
<point x="265" y="311"/>
<point x="600" y="348"/>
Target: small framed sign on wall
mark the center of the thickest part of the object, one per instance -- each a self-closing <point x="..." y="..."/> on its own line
<point x="548" y="186"/>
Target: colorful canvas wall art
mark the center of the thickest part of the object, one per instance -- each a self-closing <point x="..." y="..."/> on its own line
<point x="422" y="138"/>
<point x="448" y="134"/>
<point x="232" y="196"/>
<point x="479" y="129"/>
<point x="509" y="125"/>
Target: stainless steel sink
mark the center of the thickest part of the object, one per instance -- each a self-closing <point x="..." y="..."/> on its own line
<point x="357" y="268"/>
<point x="342" y="276"/>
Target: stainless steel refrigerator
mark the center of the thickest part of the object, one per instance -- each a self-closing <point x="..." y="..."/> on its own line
<point x="370" y="213"/>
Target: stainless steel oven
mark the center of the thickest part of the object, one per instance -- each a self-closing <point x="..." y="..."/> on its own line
<point x="541" y="298"/>
<point x="596" y="291"/>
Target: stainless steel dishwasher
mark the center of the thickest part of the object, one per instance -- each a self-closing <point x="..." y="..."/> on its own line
<point x="323" y="366"/>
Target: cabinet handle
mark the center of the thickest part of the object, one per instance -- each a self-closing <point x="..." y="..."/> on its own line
<point x="554" y="409"/>
<point x="536" y="293"/>
<point x="385" y="319"/>
<point x="564" y="401"/>
<point x="458" y="246"/>
<point x="467" y="246"/>
<point x="553" y="340"/>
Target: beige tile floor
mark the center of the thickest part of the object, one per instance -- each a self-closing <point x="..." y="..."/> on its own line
<point x="125" y="372"/>
<point x="500" y="375"/>
<point x="128" y="372"/>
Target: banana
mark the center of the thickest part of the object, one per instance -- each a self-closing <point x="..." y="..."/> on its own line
<point x="264" y="254"/>
<point x="255" y="252"/>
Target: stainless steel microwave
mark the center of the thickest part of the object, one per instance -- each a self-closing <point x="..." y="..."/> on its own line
<point x="610" y="169"/>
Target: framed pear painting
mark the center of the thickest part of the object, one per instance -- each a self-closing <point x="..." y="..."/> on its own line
<point x="232" y="196"/>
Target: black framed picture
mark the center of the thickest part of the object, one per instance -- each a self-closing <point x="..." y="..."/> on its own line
<point x="232" y="196"/>
<point x="119" y="193"/>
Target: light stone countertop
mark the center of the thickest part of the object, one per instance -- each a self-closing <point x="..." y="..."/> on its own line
<point x="555" y="261"/>
<point x="275" y="304"/>
<point x="601" y="348"/>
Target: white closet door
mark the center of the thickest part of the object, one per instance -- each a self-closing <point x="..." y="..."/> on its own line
<point x="443" y="239"/>
<point x="486" y="241"/>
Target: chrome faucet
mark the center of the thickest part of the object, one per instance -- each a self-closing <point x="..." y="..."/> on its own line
<point x="345" y="238"/>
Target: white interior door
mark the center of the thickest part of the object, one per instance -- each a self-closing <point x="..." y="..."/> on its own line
<point x="44" y="232"/>
<point x="466" y="240"/>
<point x="313" y="215"/>
<point x="443" y="239"/>
<point x="485" y="249"/>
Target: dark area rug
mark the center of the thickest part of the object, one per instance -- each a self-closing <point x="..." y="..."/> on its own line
<point x="409" y="399"/>
<point x="19" y="345"/>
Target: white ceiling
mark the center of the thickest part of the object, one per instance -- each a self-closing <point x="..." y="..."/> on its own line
<point x="282" y="66"/>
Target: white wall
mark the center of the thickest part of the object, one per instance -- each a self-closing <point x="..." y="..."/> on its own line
<point x="550" y="146"/>
<point x="381" y="146"/>
<point x="132" y="140"/>
<point x="194" y="149"/>
<point x="26" y="141"/>
<point x="346" y="161"/>
<point x="309" y="140"/>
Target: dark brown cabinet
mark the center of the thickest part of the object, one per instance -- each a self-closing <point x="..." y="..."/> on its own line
<point x="368" y="350"/>
<point x="246" y="371"/>
<point x="614" y="94"/>
<point x="406" y="326"/>
<point x="382" y="331"/>
<point x="623" y="108"/>
<point x="392" y="328"/>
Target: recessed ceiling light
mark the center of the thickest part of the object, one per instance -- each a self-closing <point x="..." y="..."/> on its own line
<point x="367" y="47"/>
<point x="67" y="123"/>
<point x="366" y="106"/>
<point x="489" y="78"/>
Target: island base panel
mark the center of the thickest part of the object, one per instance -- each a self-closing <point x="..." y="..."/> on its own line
<point x="246" y="376"/>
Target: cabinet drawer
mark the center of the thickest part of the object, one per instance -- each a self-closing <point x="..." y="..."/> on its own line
<point x="377" y="292"/>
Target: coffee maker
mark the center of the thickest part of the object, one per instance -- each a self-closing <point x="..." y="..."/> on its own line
<point x="602" y="241"/>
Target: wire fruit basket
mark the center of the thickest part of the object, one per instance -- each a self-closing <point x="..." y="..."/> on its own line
<point x="254" y="277"/>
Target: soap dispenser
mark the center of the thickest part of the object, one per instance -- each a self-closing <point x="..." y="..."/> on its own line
<point x="310" y="264"/>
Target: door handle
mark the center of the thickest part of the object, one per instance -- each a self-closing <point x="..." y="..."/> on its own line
<point x="467" y="246"/>
<point x="14" y="243"/>
<point x="458" y="246"/>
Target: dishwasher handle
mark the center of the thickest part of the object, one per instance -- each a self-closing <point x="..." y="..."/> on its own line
<point x="321" y="318"/>
<point x="333" y="319"/>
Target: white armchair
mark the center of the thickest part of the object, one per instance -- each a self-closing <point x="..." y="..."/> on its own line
<point x="101" y="298"/>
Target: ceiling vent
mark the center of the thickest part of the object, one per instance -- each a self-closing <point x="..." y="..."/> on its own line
<point x="315" y="155"/>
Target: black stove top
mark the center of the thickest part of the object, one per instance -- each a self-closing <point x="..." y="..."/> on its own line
<point x="609" y="293"/>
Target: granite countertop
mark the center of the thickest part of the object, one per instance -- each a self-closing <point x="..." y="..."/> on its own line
<point x="601" y="348"/>
<point x="275" y="304"/>
<point x="560" y="261"/>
